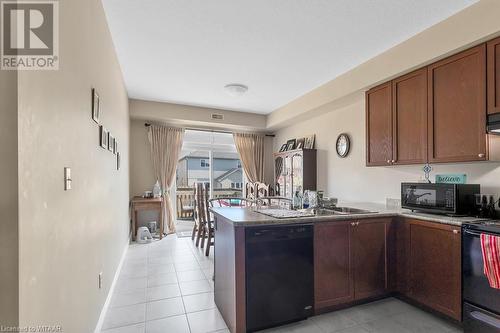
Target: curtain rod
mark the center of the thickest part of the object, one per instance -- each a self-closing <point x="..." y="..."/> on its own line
<point x="209" y="130"/>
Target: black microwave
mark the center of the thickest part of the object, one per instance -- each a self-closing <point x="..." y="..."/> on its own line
<point x="453" y="199"/>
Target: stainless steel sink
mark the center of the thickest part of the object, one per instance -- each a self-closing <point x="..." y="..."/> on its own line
<point x="336" y="211"/>
<point x="350" y="210"/>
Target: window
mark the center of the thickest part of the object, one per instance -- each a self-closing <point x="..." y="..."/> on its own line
<point x="233" y="185"/>
<point x="204" y="163"/>
<point x="239" y="164"/>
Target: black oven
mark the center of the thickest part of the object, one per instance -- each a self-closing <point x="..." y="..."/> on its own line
<point x="453" y="199"/>
<point x="481" y="303"/>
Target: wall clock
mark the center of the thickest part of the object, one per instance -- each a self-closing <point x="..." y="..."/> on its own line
<point x="343" y="145"/>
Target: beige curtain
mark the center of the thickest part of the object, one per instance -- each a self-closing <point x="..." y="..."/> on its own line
<point x="251" y="150"/>
<point x="166" y="144"/>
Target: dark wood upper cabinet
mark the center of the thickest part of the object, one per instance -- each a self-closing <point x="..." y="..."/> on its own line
<point x="493" y="66"/>
<point x="370" y="257"/>
<point x="457" y="107"/>
<point x="379" y="125"/>
<point x="332" y="264"/>
<point x="409" y="95"/>
<point x="434" y="266"/>
<point x="437" y="114"/>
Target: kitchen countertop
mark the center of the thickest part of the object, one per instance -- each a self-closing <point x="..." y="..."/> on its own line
<point x="249" y="217"/>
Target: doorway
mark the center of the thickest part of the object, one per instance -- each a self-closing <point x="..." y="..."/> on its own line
<point x="207" y="157"/>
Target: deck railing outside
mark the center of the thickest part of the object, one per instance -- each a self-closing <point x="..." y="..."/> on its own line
<point x="185" y="199"/>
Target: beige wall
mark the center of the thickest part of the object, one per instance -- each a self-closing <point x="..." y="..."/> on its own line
<point x="68" y="237"/>
<point x="349" y="179"/>
<point x="141" y="168"/>
<point x="468" y="27"/>
<point x="184" y="115"/>
<point x="8" y="200"/>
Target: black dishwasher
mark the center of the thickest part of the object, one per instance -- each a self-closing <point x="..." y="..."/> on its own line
<point x="279" y="275"/>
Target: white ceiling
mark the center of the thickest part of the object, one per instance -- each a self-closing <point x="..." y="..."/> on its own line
<point x="186" y="51"/>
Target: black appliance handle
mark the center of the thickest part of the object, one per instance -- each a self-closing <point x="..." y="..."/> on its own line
<point x="489" y="320"/>
<point x="478" y="234"/>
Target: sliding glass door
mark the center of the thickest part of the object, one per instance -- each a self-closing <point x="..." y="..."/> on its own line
<point x="207" y="157"/>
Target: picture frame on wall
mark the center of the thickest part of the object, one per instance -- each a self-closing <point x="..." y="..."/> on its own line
<point x="103" y="137"/>
<point x="309" y="141"/>
<point x="96" y="106"/>
<point x="283" y="148"/>
<point x="111" y="142"/>
<point x="290" y="144"/>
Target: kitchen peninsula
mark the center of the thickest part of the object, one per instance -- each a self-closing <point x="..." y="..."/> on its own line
<point x="353" y="258"/>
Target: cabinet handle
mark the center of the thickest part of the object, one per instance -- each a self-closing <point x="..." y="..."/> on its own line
<point x="388" y="161"/>
<point x="455" y="231"/>
<point x="357" y="223"/>
<point x="353" y="223"/>
<point x="480" y="155"/>
<point x="393" y="161"/>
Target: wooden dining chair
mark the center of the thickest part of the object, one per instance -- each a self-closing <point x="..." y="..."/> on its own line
<point x="232" y="202"/>
<point x="200" y="220"/>
<point x="250" y="191"/>
<point x="209" y="231"/>
<point x="262" y="190"/>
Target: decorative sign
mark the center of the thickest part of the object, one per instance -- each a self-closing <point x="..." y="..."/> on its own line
<point x="452" y="178"/>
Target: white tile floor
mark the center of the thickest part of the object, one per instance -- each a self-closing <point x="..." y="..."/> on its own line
<point x="167" y="286"/>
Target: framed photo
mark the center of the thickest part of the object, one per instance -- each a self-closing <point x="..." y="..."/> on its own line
<point x="309" y="141"/>
<point x="290" y="144"/>
<point x="300" y="143"/>
<point x="118" y="161"/>
<point x="283" y="148"/>
<point x="103" y="137"/>
<point x="111" y="143"/>
<point x="96" y="106"/>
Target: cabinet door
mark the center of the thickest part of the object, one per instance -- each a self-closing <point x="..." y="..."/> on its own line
<point x="409" y="95"/>
<point x="287" y="177"/>
<point x="332" y="264"/>
<point x="493" y="68"/>
<point x="278" y="175"/>
<point x="369" y="243"/>
<point x="457" y="107"/>
<point x="297" y="173"/>
<point x="379" y="125"/>
<point x="435" y="266"/>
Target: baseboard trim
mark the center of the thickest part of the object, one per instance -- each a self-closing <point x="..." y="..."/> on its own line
<point x="105" y="307"/>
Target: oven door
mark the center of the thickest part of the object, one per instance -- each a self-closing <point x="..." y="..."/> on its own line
<point x="476" y="289"/>
<point x="477" y="320"/>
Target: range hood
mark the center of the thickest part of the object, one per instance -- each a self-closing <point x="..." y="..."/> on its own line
<point x="493" y="124"/>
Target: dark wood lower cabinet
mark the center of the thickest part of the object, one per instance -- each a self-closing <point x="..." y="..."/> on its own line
<point x="367" y="258"/>
<point x="332" y="264"/>
<point x="433" y="258"/>
<point x="370" y="257"/>
<point x="351" y="261"/>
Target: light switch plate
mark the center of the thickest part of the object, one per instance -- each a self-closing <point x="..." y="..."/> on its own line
<point x="67" y="178"/>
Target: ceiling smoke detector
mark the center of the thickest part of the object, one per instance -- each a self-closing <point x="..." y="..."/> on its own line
<point x="236" y="89"/>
